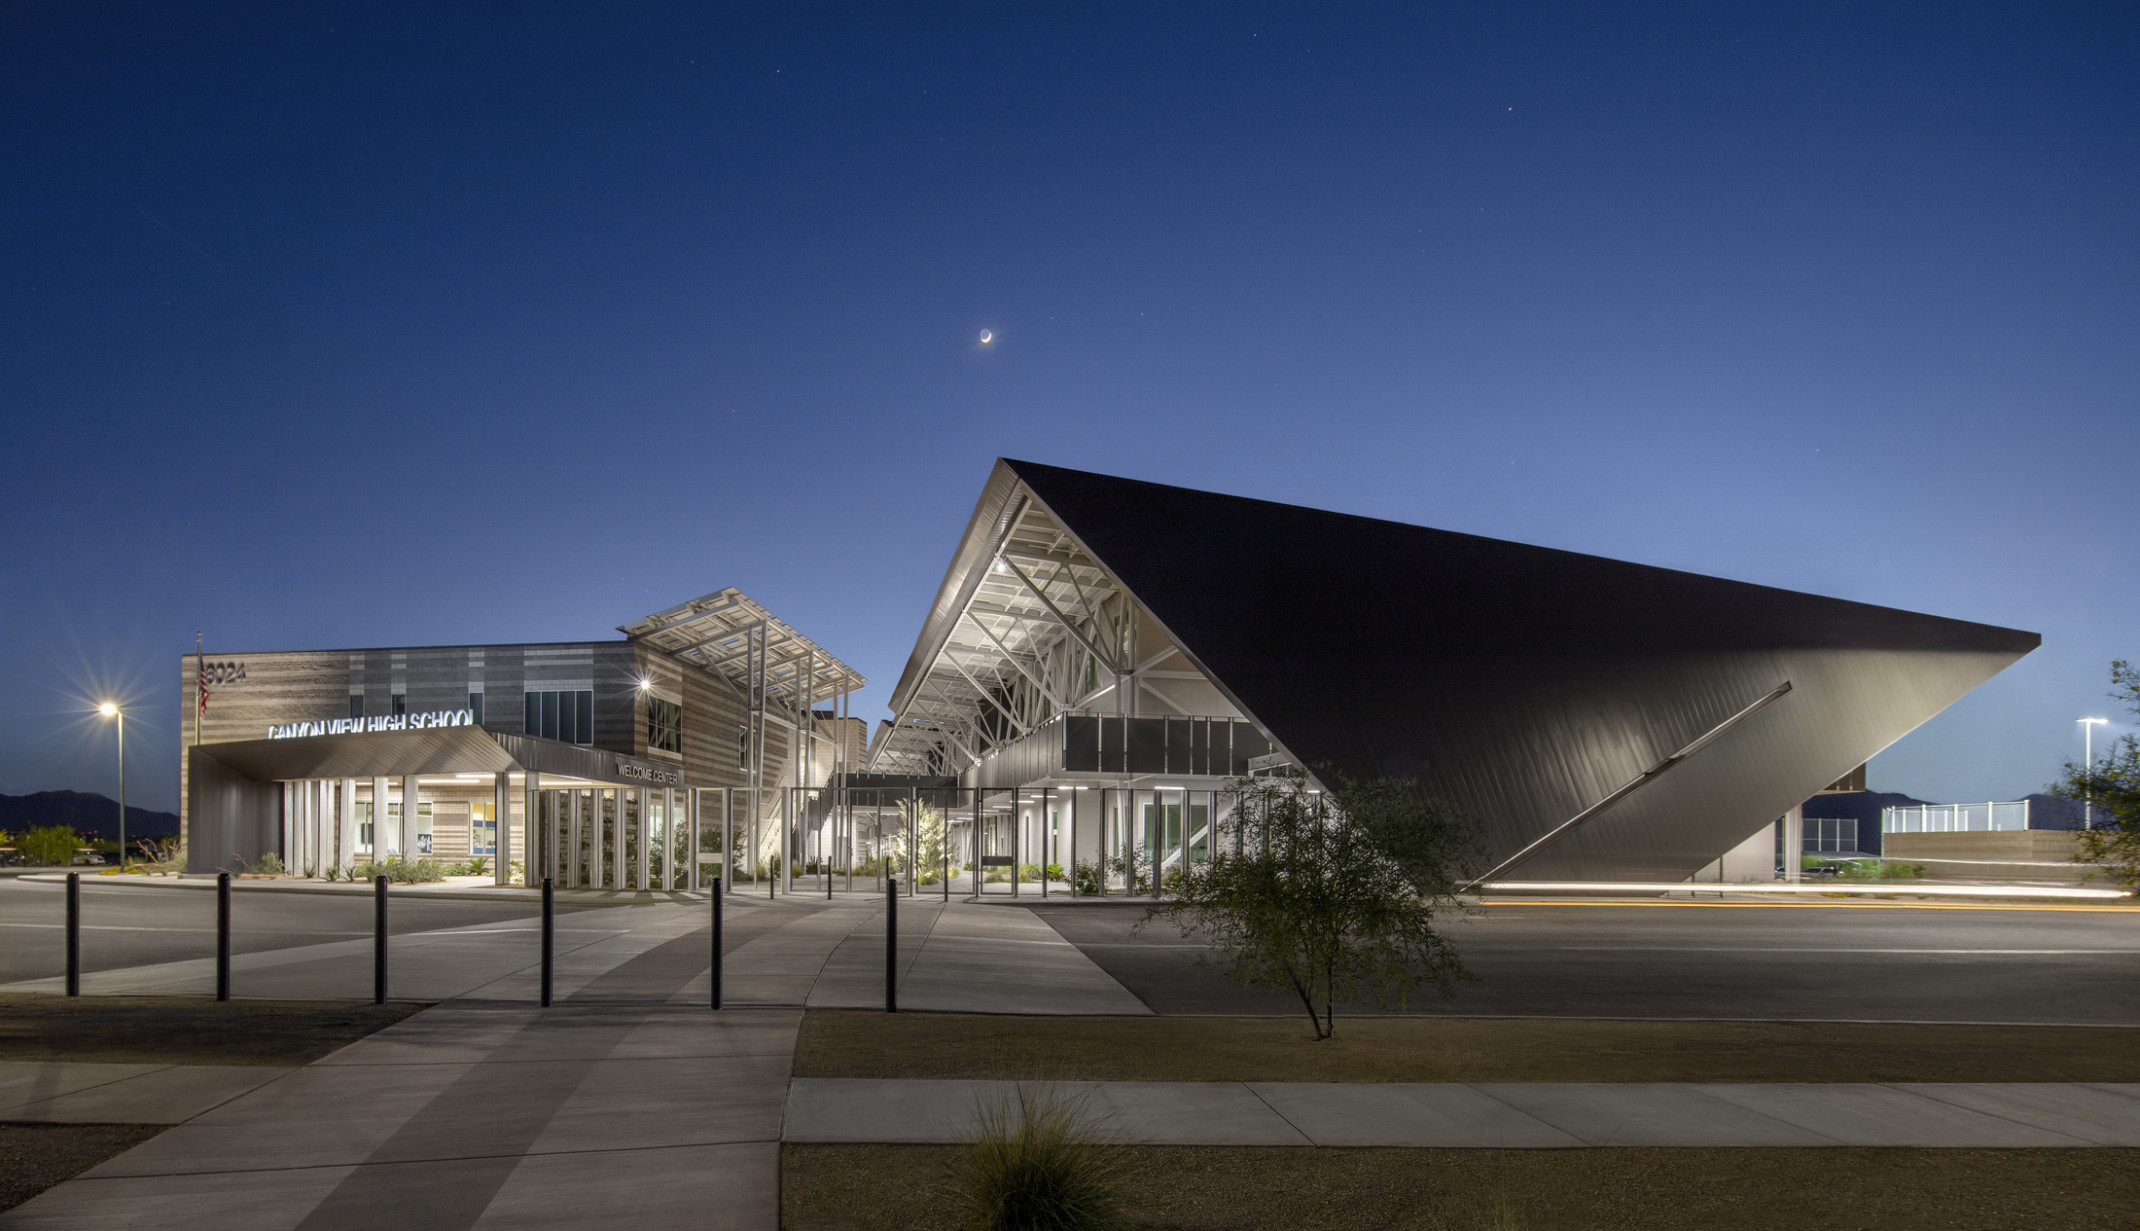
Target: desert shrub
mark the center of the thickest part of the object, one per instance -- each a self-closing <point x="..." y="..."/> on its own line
<point x="1037" y="1165"/>
<point x="400" y="870"/>
<point x="48" y="844"/>
<point x="1880" y="870"/>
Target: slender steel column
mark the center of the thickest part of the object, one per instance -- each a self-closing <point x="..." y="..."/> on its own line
<point x="530" y="829"/>
<point x="691" y="872"/>
<point x="891" y="947"/>
<point x="411" y="804"/>
<point x="668" y="837"/>
<point x="576" y="862"/>
<point x="222" y="936"/>
<point x="379" y="940"/>
<point x="74" y="933"/>
<point x="501" y="871"/>
<point x="645" y="831"/>
<point x="549" y="935"/>
<point x="383" y="839"/>
<point x="346" y="828"/>
<point x="596" y="834"/>
<point x="720" y="887"/>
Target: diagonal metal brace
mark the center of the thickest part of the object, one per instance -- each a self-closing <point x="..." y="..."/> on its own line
<point x="1640" y="780"/>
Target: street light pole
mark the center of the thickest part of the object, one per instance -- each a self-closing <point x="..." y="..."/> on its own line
<point x="2088" y="726"/>
<point x="110" y="710"/>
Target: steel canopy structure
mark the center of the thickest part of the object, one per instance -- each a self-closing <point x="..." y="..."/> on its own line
<point x="721" y="631"/>
<point x="1598" y="719"/>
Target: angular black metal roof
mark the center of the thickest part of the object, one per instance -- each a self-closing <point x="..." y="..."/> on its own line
<point x="1523" y="683"/>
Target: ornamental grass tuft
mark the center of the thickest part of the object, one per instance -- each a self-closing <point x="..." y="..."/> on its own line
<point x="1037" y="1165"/>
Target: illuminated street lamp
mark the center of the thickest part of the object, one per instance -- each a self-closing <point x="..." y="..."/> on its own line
<point x="2088" y="726"/>
<point x="110" y="710"/>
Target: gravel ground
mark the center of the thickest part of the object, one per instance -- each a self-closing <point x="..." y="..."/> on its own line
<point x="169" y="1030"/>
<point x="34" y="1157"/>
<point x="947" y="1045"/>
<point x="894" y="1188"/>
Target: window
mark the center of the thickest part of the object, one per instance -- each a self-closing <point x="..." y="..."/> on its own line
<point x="567" y="716"/>
<point x="475" y="707"/>
<point x="482" y="828"/>
<point x="356" y="705"/>
<point x="401" y="703"/>
<point x="364" y="816"/>
<point x="1825" y="834"/>
<point x="664" y="725"/>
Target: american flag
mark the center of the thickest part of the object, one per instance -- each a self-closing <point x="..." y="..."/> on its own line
<point x="202" y="666"/>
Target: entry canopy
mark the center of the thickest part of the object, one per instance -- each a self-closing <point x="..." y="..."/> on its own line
<point x="443" y="750"/>
<point x="714" y="632"/>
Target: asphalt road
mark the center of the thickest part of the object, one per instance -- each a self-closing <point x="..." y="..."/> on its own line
<point x="1870" y="963"/>
<point x="138" y="926"/>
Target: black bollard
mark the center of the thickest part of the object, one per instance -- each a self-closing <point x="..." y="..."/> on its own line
<point x="549" y="935"/>
<point x="891" y="945"/>
<point x="719" y="887"/>
<point x="379" y="940"/>
<point x="74" y="933"/>
<point x="222" y="936"/>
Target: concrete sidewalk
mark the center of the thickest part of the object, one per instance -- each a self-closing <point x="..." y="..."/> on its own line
<point x="1502" y="1116"/>
<point x="617" y="1104"/>
<point x="65" y="1092"/>
<point x="970" y="958"/>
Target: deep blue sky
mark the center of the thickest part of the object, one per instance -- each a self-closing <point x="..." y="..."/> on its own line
<point x="347" y="325"/>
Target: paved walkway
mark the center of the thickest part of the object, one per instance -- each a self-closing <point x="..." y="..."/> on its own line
<point x="630" y="1100"/>
<point x="971" y="959"/>
<point x="486" y="1111"/>
<point x="1500" y="1116"/>
<point x="60" y="1092"/>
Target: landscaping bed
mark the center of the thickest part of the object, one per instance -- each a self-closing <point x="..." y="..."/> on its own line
<point x="1446" y="1049"/>
<point x="175" y="1030"/>
<point x="34" y="1157"/>
<point x="1194" y="1188"/>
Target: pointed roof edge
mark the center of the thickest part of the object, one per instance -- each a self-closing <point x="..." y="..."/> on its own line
<point x="993" y="516"/>
<point x="1028" y="472"/>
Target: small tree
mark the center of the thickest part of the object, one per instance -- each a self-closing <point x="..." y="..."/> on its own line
<point x="51" y="844"/>
<point x="2111" y="788"/>
<point x="1330" y="895"/>
<point x="926" y="822"/>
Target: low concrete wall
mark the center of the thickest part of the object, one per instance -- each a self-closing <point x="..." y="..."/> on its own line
<point x="2012" y="855"/>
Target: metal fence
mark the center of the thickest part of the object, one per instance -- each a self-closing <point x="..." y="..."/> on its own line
<point x="1988" y="817"/>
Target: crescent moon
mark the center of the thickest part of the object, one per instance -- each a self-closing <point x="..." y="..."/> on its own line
<point x="987" y="337"/>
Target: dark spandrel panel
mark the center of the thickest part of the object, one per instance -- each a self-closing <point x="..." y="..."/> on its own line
<point x="549" y="715"/>
<point x="1147" y="745"/>
<point x="1181" y="747"/>
<point x="1247" y="742"/>
<point x="1222" y="747"/>
<point x="1113" y="746"/>
<point x="531" y="720"/>
<point x="586" y="718"/>
<point x="1200" y="746"/>
<point x="1081" y="744"/>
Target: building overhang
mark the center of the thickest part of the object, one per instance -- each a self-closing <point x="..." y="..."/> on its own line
<point x="446" y="750"/>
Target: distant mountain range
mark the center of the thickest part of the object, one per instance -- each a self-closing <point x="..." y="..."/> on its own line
<point x="86" y="814"/>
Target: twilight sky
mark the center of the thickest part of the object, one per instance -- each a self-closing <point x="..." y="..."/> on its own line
<point x="335" y="325"/>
